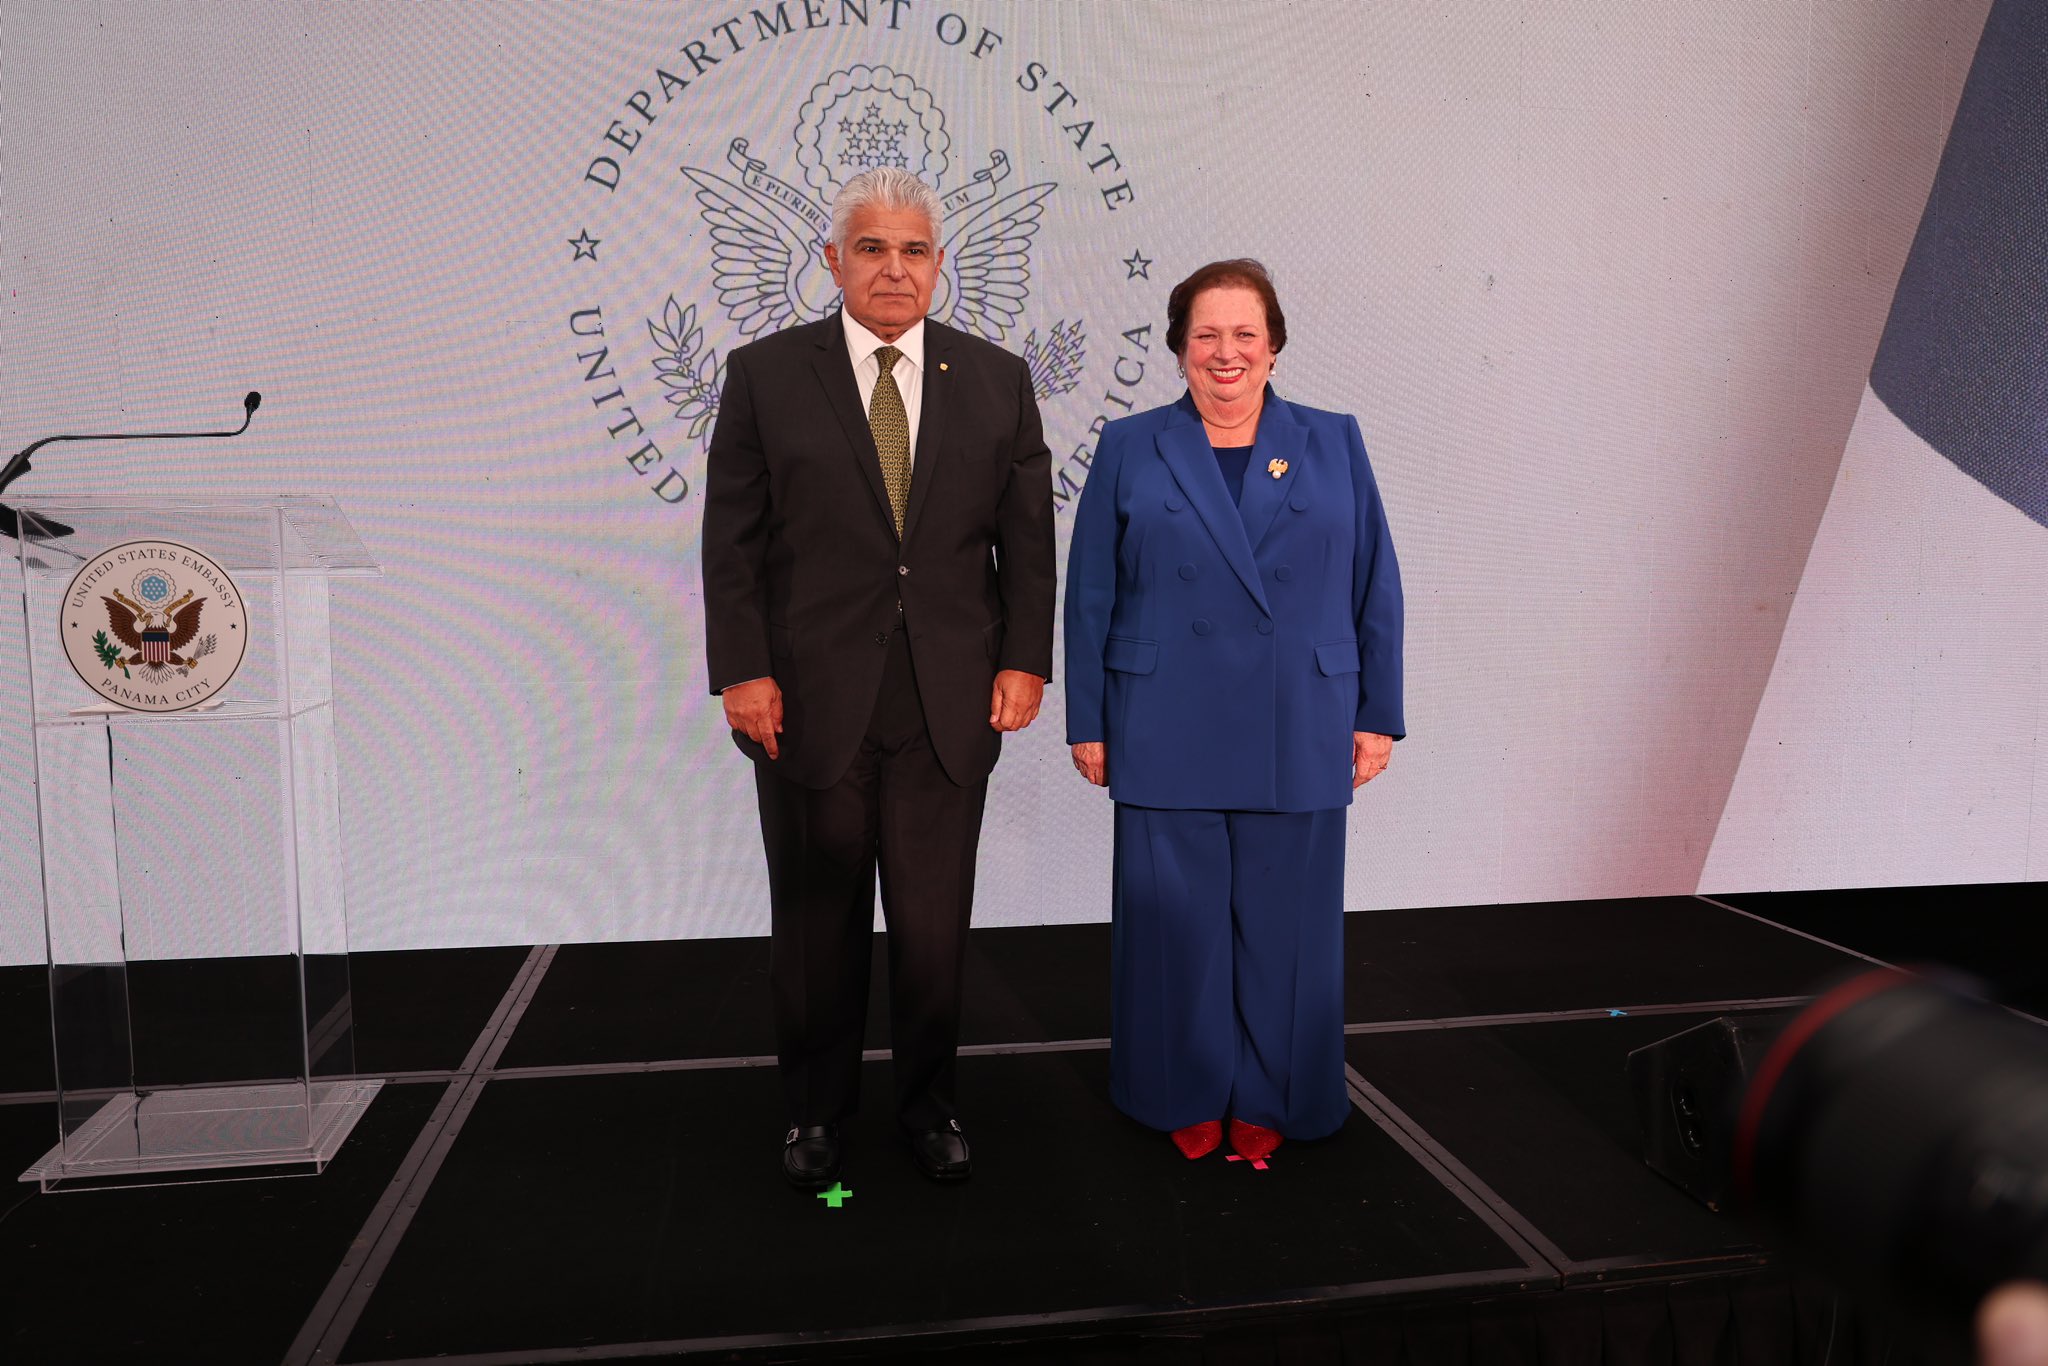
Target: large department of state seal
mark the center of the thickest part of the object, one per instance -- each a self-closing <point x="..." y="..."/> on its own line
<point x="700" y="223"/>
<point x="701" y="220"/>
<point x="154" y="626"/>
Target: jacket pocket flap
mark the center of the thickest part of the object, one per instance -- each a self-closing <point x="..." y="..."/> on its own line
<point x="1130" y="656"/>
<point x="1335" y="657"/>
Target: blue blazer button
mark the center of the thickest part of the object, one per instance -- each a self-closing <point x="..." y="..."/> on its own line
<point x="1187" y="571"/>
<point x="1202" y="626"/>
<point x="1299" y="502"/>
<point x="1284" y="573"/>
<point x="1173" y="503"/>
<point x="1265" y="627"/>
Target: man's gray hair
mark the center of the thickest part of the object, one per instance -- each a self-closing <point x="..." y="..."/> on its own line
<point x="885" y="187"/>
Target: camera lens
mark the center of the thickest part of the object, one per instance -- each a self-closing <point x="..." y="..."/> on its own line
<point x="1898" y="1131"/>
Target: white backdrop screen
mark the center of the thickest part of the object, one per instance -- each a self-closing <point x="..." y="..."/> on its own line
<point x="1602" y="281"/>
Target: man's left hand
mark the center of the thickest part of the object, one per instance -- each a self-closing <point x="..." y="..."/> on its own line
<point x="1014" y="704"/>
<point x="1369" y="755"/>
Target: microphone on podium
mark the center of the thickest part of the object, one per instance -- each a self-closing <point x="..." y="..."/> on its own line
<point x="19" y="464"/>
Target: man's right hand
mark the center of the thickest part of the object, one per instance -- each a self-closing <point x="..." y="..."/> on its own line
<point x="754" y="709"/>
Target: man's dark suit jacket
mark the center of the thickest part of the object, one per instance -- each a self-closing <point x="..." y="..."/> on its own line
<point x="803" y="573"/>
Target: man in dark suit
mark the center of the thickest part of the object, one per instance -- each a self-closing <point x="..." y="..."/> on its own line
<point x="878" y="603"/>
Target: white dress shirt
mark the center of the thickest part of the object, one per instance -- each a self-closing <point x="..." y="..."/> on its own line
<point x="862" y="344"/>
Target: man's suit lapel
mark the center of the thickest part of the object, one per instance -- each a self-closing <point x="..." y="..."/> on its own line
<point x="1283" y="438"/>
<point x="927" y="461"/>
<point x="1184" y="445"/>
<point x="834" y="365"/>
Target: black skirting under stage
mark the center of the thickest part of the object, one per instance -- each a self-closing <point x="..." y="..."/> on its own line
<point x="575" y="1159"/>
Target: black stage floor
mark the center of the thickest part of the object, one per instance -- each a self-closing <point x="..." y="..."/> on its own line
<point x="575" y="1160"/>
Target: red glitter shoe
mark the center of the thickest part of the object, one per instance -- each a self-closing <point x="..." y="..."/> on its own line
<point x="1252" y="1141"/>
<point x="1199" y="1140"/>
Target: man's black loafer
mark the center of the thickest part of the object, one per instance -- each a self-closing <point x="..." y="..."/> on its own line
<point x="810" y="1156"/>
<point x="940" y="1154"/>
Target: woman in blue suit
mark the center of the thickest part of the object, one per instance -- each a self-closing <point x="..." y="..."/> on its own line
<point x="1233" y="639"/>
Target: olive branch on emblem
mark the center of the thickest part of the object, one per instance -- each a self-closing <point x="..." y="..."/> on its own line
<point x="109" y="653"/>
<point x="692" y="381"/>
<point x="1056" y="366"/>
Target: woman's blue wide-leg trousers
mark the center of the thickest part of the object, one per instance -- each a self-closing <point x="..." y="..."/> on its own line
<point x="1228" y="966"/>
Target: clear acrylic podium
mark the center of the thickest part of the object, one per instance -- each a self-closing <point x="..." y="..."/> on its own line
<point x="199" y="848"/>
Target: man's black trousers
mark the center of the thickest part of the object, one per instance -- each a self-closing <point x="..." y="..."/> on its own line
<point x="894" y="810"/>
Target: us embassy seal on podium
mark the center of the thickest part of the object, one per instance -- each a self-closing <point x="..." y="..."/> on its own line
<point x="683" y="250"/>
<point x="154" y="626"/>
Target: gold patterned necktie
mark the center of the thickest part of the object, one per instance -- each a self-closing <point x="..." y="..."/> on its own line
<point x="891" y="426"/>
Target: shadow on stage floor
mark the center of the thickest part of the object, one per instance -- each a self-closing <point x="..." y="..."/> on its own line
<point x="575" y="1160"/>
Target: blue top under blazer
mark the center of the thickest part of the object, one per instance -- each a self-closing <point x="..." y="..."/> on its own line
<point x="1226" y="652"/>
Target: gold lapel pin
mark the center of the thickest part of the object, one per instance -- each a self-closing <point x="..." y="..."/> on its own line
<point x="942" y="365"/>
<point x="1276" y="468"/>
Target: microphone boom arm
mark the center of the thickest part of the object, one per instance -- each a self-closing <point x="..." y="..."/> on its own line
<point x="18" y="465"/>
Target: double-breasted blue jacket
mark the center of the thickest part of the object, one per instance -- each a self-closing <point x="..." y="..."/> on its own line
<point x="1225" y="652"/>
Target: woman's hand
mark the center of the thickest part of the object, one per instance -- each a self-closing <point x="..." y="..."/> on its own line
<point x="1369" y="755"/>
<point x="1091" y="761"/>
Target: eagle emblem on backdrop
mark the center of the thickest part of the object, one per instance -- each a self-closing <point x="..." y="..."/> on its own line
<point x="153" y="623"/>
<point x="768" y="238"/>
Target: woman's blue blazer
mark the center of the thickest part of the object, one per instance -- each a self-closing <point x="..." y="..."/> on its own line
<point x="1225" y="652"/>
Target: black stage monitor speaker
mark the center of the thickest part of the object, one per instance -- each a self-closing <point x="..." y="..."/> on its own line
<point x="1686" y="1090"/>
